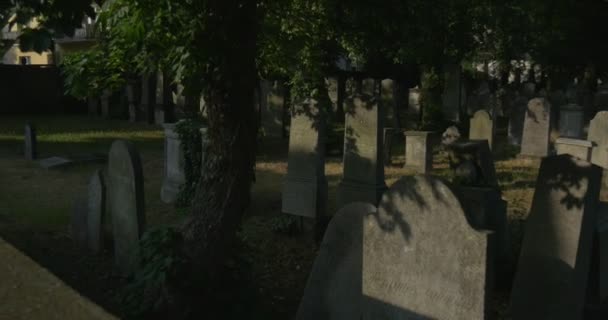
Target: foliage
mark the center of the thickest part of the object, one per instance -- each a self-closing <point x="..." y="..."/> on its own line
<point x="432" y="115"/>
<point x="159" y="259"/>
<point x="190" y="137"/>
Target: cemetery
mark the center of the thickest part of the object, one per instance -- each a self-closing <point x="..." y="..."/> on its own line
<point x="304" y="160"/>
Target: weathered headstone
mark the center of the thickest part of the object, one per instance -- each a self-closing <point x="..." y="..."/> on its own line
<point x="482" y="127"/>
<point x="571" y="120"/>
<point x="578" y="148"/>
<point x="421" y="258"/>
<point x="363" y="178"/>
<point x="414" y="97"/>
<point x="419" y="151"/>
<point x="30" y="143"/>
<point x="552" y="274"/>
<point x="174" y="176"/>
<point x="96" y="210"/>
<point x="535" y="141"/>
<point x="598" y="134"/>
<point x="78" y="222"/>
<point x="450" y="136"/>
<point x="334" y="287"/>
<point x="126" y="203"/>
<point x="305" y="186"/>
<point x="517" y="116"/>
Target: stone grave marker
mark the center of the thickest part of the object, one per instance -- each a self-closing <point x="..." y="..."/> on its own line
<point x="305" y="186"/>
<point x="598" y="134"/>
<point x="334" y="286"/>
<point x="96" y="210"/>
<point x="535" y="141"/>
<point x="419" y="151"/>
<point x="575" y="147"/>
<point x="30" y="143"/>
<point x="421" y="258"/>
<point x="126" y="203"/>
<point x="482" y="127"/>
<point x="551" y="278"/>
<point x="78" y="222"/>
<point x="363" y="178"/>
<point x="571" y="120"/>
<point x="174" y="175"/>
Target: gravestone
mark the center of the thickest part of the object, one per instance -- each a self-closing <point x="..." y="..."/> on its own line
<point x="334" y="287"/>
<point x="578" y="148"/>
<point x="96" y="210"/>
<point x="535" y="140"/>
<point x="571" y="120"/>
<point x="419" y="151"/>
<point x="517" y="116"/>
<point x="305" y="186"/>
<point x="126" y="203"/>
<point x="30" y="143"/>
<point x="414" y="97"/>
<point x="482" y="127"/>
<point x="272" y="107"/>
<point x="551" y="278"/>
<point x="174" y="175"/>
<point x="598" y="134"/>
<point x="450" y="136"/>
<point x="78" y="222"/>
<point x="421" y="258"/>
<point x="363" y="178"/>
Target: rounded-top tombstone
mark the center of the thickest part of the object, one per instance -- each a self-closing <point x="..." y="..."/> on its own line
<point x="482" y="127"/>
<point x="126" y="203"/>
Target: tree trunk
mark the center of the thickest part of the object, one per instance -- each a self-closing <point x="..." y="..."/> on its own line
<point x="223" y="193"/>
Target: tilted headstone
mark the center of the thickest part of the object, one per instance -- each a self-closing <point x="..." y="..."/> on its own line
<point x="30" y="143"/>
<point x="174" y="175"/>
<point x="419" y="151"/>
<point x="421" y="258"/>
<point x="535" y="141"/>
<point x="482" y="127"/>
<point x="571" y="121"/>
<point x="96" y="211"/>
<point x="334" y="287"/>
<point x="126" y="203"/>
<point x="553" y="269"/>
<point x="78" y="222"/>
<point x="305" y="186"/>
<point x="363" y="178"/>
<point x="578" y="148"/>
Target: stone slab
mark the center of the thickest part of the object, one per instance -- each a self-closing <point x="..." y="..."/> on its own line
<point x="29" y="291"/>
<point x="553" y="269"/>
<point x="537" y="125"/>
<point x="126" y="203"/>
<point x="421" y="258"/>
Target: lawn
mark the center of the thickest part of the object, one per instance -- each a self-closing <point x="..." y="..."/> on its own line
<point x="35" y="206"/>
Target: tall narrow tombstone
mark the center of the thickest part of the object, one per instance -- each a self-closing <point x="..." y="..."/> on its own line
<point x="305" y="186"/>
<point x="419" y="151"/>
<point x="571" y="120"/>
<point x="363" y="178"/>
<point x="174" y="176"/>
<point x="598" y="135"/>
<point x="482" y="127"/>
<point x="421" y="258"/>
<point x="552" y="274"/>
<point x="96" y="212"/>
<point x="126" y="203"/>
<point x="334" y="287"/>
<point x="30" y="143"/>
<point x="535" y="141"/>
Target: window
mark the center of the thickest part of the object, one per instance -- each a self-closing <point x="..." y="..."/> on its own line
<point x="25" y="60"/>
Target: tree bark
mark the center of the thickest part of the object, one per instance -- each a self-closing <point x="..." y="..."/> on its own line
<point x="223" y="193"/>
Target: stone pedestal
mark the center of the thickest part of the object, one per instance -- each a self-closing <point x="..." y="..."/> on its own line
<point x="174" y="176"/>
<point x="305" y="186"/>
<point x="571" y="120"/>
<point x="363" y="178"/>
<point x="419" y="151"/>
<point x="574" y="147"/>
